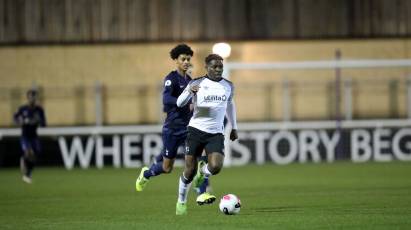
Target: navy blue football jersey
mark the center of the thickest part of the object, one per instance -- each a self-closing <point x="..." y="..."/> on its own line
<point x="177" y="118"/>
<point x="31" y="118"/>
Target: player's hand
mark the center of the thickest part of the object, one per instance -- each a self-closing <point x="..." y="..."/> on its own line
<point x="233" y="135"/>
<point x="26" y="120"/>
<point x="35" y="120"/>
<point x="30" y="121"/>
<point x="194" y="88"/>
<point x="20" y="120"/>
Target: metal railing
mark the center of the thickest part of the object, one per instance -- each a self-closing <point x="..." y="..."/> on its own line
<point x="285" y="100"/>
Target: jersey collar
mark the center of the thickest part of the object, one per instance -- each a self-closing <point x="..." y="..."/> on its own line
<point x="178" y="74"/>
<point x="206" y="76"/>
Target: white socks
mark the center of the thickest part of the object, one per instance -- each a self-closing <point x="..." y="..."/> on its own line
<point x="183" y="189"/>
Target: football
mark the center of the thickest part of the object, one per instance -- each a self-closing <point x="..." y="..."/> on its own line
<point x="230" y="204"/>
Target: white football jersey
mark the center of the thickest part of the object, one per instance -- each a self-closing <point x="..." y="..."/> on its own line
<point x="210" y="104"/>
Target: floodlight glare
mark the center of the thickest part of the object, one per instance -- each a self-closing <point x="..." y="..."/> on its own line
<point x="223" y="49"/>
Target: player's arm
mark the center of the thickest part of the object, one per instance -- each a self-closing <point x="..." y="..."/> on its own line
<point x="232" y="117"/>
<point x="18" y="118"/>
<point x="187" y="94"/>
<point x="168" y="98"/>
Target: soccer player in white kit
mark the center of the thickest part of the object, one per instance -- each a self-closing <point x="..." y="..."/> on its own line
<point x="212" y="97"/>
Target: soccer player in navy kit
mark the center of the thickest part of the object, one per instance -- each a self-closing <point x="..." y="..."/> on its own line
<point x="29" y="117"/>
<point x="174" y="131"/>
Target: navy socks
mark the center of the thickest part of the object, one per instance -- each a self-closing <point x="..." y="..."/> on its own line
<point x="155" y="170"/>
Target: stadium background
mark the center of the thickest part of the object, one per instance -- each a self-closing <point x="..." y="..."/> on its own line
<point x="65" y="48"/>
<point x="99" y="65"/>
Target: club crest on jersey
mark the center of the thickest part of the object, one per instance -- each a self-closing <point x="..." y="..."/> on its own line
<point x="211" y="98"/>
<point x="167" y="83"/>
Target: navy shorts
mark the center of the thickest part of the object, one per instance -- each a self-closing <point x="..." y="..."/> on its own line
<point x="171" y="142"/>
<point x="30" y="143"/>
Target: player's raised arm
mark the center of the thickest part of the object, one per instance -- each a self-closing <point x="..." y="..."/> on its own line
<point x="187" y="94"/>
<point x="168" y="98"/>
<point x="18" y="119"/>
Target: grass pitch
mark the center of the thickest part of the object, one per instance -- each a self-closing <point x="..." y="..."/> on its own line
<point x="311" y="196"/>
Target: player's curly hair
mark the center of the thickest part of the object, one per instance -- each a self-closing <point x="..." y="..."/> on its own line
<point x="181" y="49"/>
<point x="211" y="57"/>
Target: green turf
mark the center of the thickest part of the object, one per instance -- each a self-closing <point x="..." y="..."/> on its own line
<point x="311" y="196"/>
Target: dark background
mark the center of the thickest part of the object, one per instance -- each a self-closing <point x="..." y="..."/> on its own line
<point x="116" y="21"/>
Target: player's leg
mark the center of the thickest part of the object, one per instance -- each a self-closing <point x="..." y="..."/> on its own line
<point x="215" y="151"/>
<point x="23" y="168"/>
<point x="33" y="154"/>
<point x="201" y="185"/>
<point x="169" y="154"/>
<point x="184" y="183"/>
<point x="26" y="160"/>
<point x="27" y="165"/>
<point x="30" y="158"/>
<point x="194" y="147"/>
<point x="168" y="164"/>
<point x="159" y="158"/>
<point x="214" y="165"/>
<point x="24" y="147"/>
